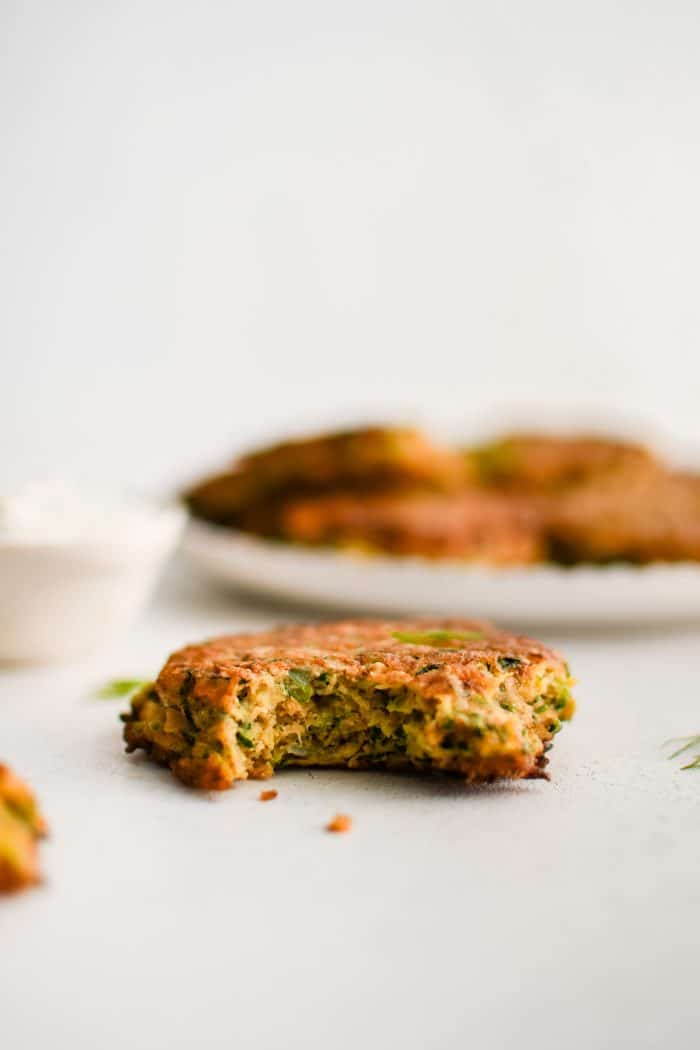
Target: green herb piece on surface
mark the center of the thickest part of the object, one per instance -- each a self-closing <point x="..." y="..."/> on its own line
<point x="436" y="638"/>
<point x="688" y="743"/>
<point x="120" y="687"/>
<point x="243" y="738"/>
<point x="297" y="684"/>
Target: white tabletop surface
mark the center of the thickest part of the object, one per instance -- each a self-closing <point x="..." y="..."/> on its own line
<point x="545" y="915"/>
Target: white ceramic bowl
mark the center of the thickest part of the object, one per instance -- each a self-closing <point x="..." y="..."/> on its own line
<point x="61" y="597"/>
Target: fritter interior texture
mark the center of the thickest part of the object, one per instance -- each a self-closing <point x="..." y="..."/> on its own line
<point x="449" y="696"/>
<point x="21" y="824"/>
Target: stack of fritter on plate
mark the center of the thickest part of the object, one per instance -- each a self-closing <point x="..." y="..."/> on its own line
<point x="518" y="500"/>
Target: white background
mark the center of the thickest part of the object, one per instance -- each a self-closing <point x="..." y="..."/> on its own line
<point x="223" y="220"/>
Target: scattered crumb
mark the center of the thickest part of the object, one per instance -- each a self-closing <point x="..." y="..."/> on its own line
<point x="340" y="822"/>
<point x="267" y="796"/>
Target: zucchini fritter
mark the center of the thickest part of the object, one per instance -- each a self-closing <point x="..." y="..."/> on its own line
<point x="472" y="525"/>
<point x="647" y="519"/>
<point x="452" y="696"/>
<point x="545" y="463"/>
<point x="21" y="824"/>
<point x="369" y="459"/>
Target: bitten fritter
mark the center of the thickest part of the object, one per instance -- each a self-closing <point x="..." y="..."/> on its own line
<point x="477" y="526"/>
<point x="648" y="519"/>
<point x="21" y="825"/>
<point x="369" y="459"/>
<point x="449" y="696"/>
<point x="546" y="463"/>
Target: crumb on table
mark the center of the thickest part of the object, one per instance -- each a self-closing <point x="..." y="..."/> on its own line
<point x="340" y="822"/>
<point x="267" y="796"/>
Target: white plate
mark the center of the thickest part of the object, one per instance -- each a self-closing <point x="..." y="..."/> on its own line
<point x="585" y="595"/>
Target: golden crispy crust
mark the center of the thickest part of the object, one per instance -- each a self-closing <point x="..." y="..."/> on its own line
<point x="371" y="458"/>
<point x="210" y="670"/>
<point x="21" y="824"/>
<point x="473" y="525"/>
<point x="474" y="700"/>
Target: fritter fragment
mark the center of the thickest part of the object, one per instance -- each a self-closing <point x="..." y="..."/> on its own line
<point x="21" y="824"/>
<point x="450" y="696"/>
